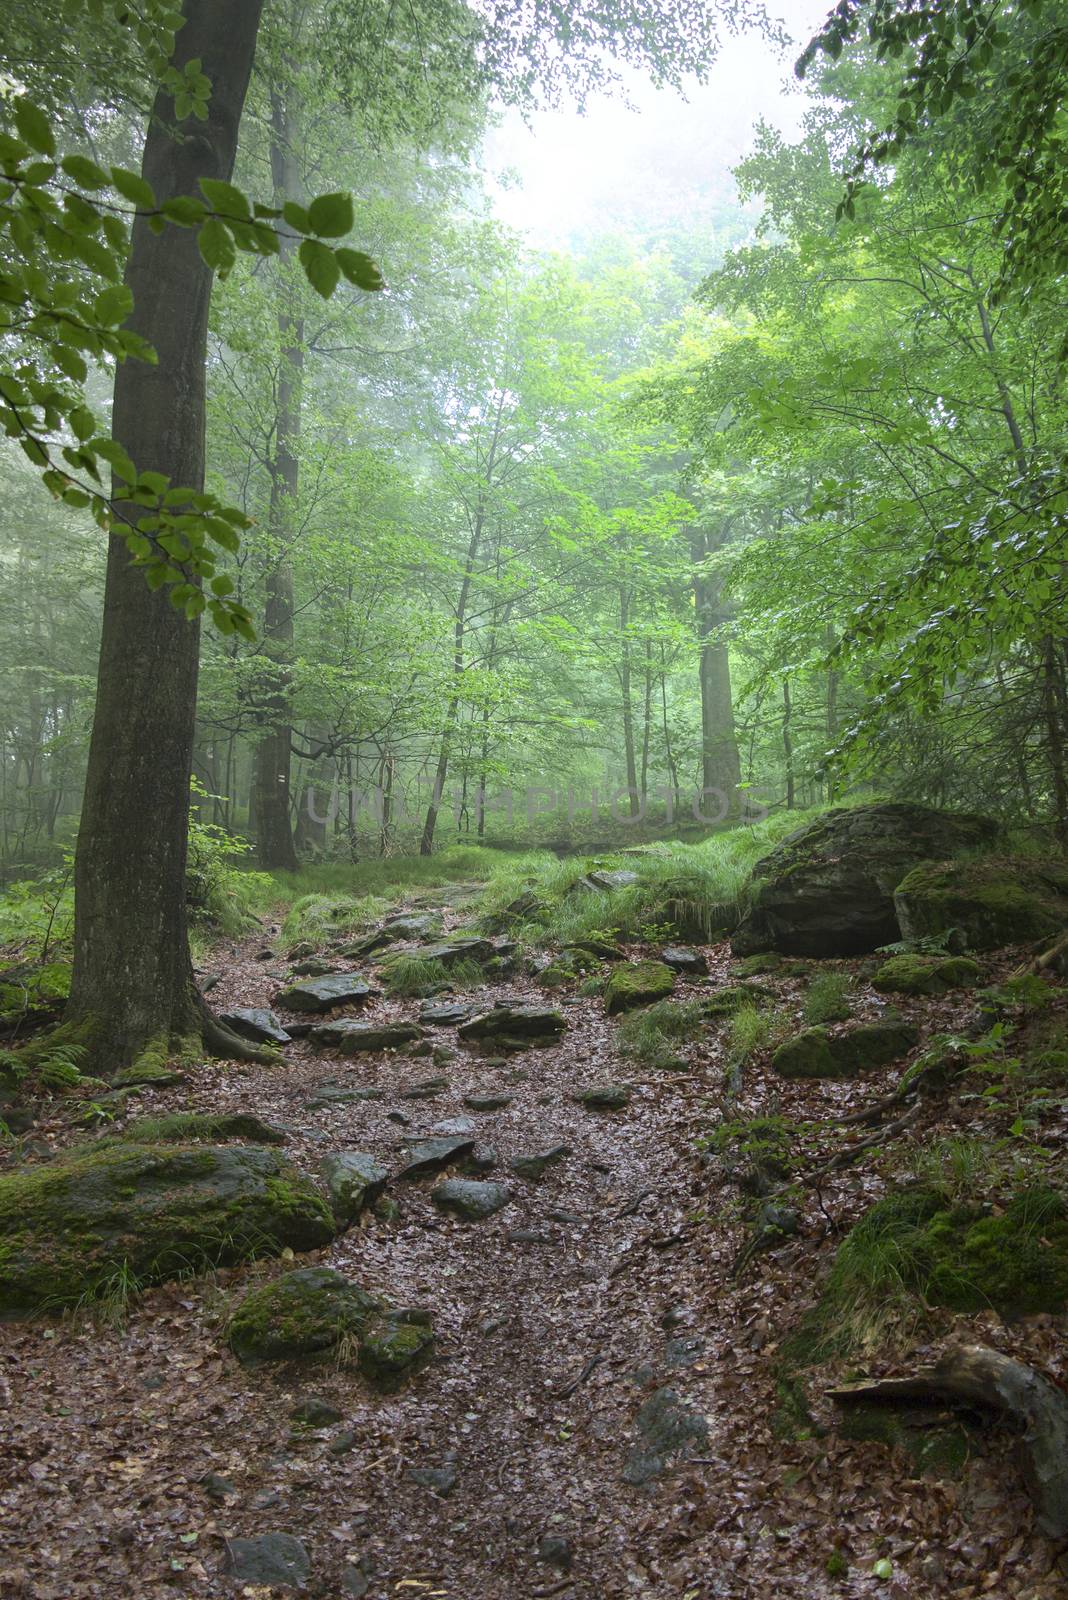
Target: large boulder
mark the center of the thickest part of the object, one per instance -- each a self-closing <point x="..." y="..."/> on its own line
<point x="315" y="1312"/>
<point x="637" y="983"/>
<point x="828" y="889"/>
<point x="71" y="1226"/>
<point x="986" y="903"/>
<point x="323" y="994"/>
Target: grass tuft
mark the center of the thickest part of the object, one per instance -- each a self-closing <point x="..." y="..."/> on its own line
<point x="652" y="1035"/>
<point x="827" y="999"/>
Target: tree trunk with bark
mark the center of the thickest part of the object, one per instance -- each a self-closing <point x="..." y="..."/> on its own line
<point x="133" y="992"/>
<point x="721" y="766"/>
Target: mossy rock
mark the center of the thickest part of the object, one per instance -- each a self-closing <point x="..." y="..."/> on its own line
<point x="315" y="1312"/>
<point x="725" y="1002"/>
<point x="919" y="974"/>
<point x="181" y="1127"/>
<point x="637" y="983"/>
<point x="754" y="966"/>
<point x="31" y="993"/>
<point x="818" y="1053"/>
<point x="991" y="902"/>
<point x="148" y="1212"/>
<point x="828" y="889"/>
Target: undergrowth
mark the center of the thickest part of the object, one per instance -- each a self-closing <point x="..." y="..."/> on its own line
<point x="652" y="1035"/>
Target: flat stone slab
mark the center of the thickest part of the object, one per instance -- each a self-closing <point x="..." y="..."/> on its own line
<point x="680" y="958"/>
<point x="255" y="1023"/>
<point x="432" y="1155"/>
<point x="533" y="1166"/>
<point x="351" y="1038"/>
<point x="604" y="1097"/>
<point x="354" y="1181"/>
<point x="413" y="925"/>
<point x="446" y="1014"/>
<point x="323" y="994"/>
<point x="487" y="1102"/>
<point x="469" y="1198"/>
<point x="618" y="878"/>
<point x="514" y="1022"/>
<point x="338" y="1094"/>
<point x="425" y="1090"/>
<point x="453" y="950"/>
<point x="271" y="1560"/>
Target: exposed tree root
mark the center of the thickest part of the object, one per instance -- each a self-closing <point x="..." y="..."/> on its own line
<point x="1054" y="956"/>
<point x="980" y="1376"/>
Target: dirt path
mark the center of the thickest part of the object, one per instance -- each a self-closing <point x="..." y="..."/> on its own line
<point x="590" y="1339"/>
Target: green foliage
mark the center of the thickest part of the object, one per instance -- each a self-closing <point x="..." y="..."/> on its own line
<point x="751" y="1030"/>
<point x="827" y="998"/>
<point x="653" y="1035"/>
<point x="416" y="975"/>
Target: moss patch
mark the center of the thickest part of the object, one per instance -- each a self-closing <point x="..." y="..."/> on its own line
<point x="637" y="983"/>
<point x="991" y="902"/>
<point x="917" y="974"/>
<point x="153" y="1211"/>
<point x="182" y="1126"/>
<point x="818" y="1053"/>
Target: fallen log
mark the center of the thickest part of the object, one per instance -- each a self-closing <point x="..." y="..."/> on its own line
<point x="980" y="1376"/>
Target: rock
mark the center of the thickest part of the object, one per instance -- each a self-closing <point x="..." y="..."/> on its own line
<point x="637" y="983"/>
<point x="311" y="1311"/>
<point x="355" y="1582"/>
<point x="297" y="951"/>
<point x="726" y="1001"/>
<point x="323" y="994"/>
<point x="429" y="1089"/>
<point x="818" y="1053"/>
<point x="916" y="974"/>
<point x="680" y="958"/>
<point x="601" y="949"/>
<point x="218" y="1489"/>
<point x="148" y="1075"/>
<point x="989" y="903"/>
<point x="413" y="925"/>
<point x="313" y="967"/>
<point x="354" y="1181"/>
<point x="470" y="1199"/>
<point x="339" y="1094"/>
<point x="270" y="1560"/>
<point x="453" y="1126"/>
<point x="367" y="946"/>
<point x="69" y="1224"/>
<point x="446" y="1014"/>
<point x="315" y="1412"/>
<point x="828" y="889"/>
<point x="556" y="1551"/>
<point x="619" y="878"/>
<point x="482" y="1159"/>
<point x="442" y="1480"/>
<point x="350" y="1037"/>
<point x="470" y="948"/>
<point x="533" y="1166"/>
<point x="441" y="1055"/>
<point x="604" y="1097"/>
<point x="667" y="1429"/>
<point x="487" y="1102"/>
<point x="342" y="1443"/>
<point x="255" y="1023"/>
<point x="528" y="1236"/>
<point x="181" y="1127"/>
<point x="515" y="1022"/>
<point x="420" y="1049"/>
<point x="433" y="1155"/>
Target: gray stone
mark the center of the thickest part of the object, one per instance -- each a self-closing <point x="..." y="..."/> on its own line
<point x="482" y="1159"/>
<point x="339" y="1094"/>
<point x="315" y="1412"/>
<point x="604" y="1097"/>
<point x="429" y="1089"/>
<point x="413" y="925"/>
<point x="255" y="1023"/>
<point x="618" y="878"/>
<point x="442" y="1480"/>
<point x="342" y="1443"/>
<point x="313" y="967"/>
<point x="350" y="1037"/>
<point x="433" y="1155"/>
<point x="470" y="1199"/>
<point x="668" y="1429"/>
<point x="533" y="1166"/>
<point x="471" y="948"/>
<point x="487" y="1102"/>
<point x="453" y="1126"/>
<point x="446" y="1013"/>
<point x="354" y="1181"/>
<point x="277" y="1560"/>
<point x="323" y="994"/>
<point x="680" y="958"/>
<point x="514" y="1022"/>
<point x="556" y="1551"/>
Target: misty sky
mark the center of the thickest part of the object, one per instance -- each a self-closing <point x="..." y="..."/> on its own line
<point x="575" y="170"/>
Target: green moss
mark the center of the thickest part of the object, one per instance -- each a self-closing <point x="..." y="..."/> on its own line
<point x="725" y="1002"/>
<point x="991" y="901"/>
<point x="918" y="974"/>
<point x="826" y="999"/>
<point x="160" y="1211"/>
<point x="182" y="1126"/>
<point x="637" y="983"/>
<point x="817" y="1053"/>
<point x="394" y="1347"/>
<point x="939" y="1451"/>
<point x="753" y="966"/>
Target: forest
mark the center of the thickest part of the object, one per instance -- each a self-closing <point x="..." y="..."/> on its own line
<point x="534" y="799"/>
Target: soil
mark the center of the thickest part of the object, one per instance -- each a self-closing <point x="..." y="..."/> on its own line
<point x="512" y="1465"/>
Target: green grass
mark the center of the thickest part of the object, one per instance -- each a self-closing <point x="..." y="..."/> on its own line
<point x="827" y="999"/>
<point x="652" y="1035"/>
<point x="416" y="975"/>
<point x="690" y="891"/>
<point x="750" y="1030"/>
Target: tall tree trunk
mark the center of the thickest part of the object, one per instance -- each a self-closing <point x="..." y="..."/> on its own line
<point x="788" y="744"/>
<point x="721" y="766"/>
<point x="627" y="697"/>
<point x="132" y="989"/>
<point x="273" y="758"/>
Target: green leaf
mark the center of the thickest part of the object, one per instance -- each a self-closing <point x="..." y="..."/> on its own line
<point x="86" y="173"/>
<point x="320" y="267"/>
<point x="134" y="188"/>
<point x="34" y="126"/>
<point x="297" y="217"/>
<point x="113" y="305"/>
<point x="186" y="211"/>
<point x="216" y="246"/>
<point x="330" y="215"/>
<point x="225" y="198"/>
<point x="360" y="269"/>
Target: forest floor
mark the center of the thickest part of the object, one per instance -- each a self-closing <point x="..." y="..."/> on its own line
<point x="597" y="1289"/>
